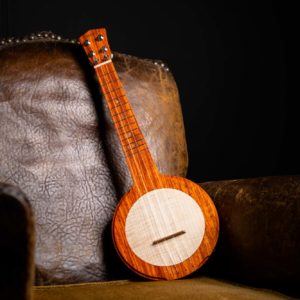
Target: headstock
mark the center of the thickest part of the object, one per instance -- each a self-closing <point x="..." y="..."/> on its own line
<point x="95" y="45"/>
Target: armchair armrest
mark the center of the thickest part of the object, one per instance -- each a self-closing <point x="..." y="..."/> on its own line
<point x="16" y="244"/>
<point x="259" y="241"/>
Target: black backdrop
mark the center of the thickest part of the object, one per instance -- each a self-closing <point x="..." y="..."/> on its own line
<point x="230" y="61"/>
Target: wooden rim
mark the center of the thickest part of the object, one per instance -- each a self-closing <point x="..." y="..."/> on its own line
<point x="188" y="266"/>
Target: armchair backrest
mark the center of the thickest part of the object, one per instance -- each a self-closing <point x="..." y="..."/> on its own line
<point x="58" y="145"/>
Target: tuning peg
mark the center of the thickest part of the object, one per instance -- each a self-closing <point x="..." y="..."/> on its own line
<point x="103" y="49"/>
<point x="99" y="37"/>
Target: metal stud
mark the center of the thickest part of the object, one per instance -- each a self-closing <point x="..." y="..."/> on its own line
<point x="95" y="61"/>
<point x="35" y="36"/>
<point x="92" y="53"/>
<point x="86" y="43"/>
<point x="48" y="35"/>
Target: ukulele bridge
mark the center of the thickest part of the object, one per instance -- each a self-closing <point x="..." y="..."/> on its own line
<point x="168" y="237"/>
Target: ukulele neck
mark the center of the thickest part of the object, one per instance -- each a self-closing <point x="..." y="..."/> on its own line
<point x="135" y="149"/>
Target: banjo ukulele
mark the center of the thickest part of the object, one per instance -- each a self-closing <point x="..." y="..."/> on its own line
<point x="164" y="227"/>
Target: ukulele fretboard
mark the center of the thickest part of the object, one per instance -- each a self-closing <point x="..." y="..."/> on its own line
<point x="122" y="114"/>
<point x="133" y="143"/>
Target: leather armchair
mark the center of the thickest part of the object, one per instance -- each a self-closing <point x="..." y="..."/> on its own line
<point x="58" y="147"/>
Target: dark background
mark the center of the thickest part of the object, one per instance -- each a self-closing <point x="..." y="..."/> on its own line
<point x="230" y="61"/>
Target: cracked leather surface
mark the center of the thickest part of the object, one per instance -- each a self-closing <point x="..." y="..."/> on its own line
<point x="52" y="133"/>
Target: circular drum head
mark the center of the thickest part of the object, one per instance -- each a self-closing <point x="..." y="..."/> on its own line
<point x="164" y="227"/>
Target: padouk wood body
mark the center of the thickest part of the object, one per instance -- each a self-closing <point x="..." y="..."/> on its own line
<point x="145" y="175"/>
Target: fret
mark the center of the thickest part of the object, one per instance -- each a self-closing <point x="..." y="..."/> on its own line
<point x="118" y="109"/>
<point x="126" y="125"/>
<point x="132" y="153"/>
<point x="114" y="91"/>
<point x="125" y="133"/>
<point x="119" y="101"/>
<point x="132" y="147"/>
<point x="119" y="104"/>
<point x="116" y="106"/>
<point x="128" y="139"/>
<point x="131" y="132"/>
<point x="135" y="142"/>
<point x="137" y="146"/>
<point x="134" y="150"/>
<point x="110" y="86"/>
<point x="122" y="112"/>
<point x="107" y="82"/>
<point x="119" y="121"/>
<point x="118" y="96"/>
<point x="134" y="137"/>
<point x="114" y="94"/>
<point x="106" y="75"/>
<point x="103" y="74"/>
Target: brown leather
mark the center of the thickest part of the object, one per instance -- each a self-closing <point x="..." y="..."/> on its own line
<point x="259" y="240"/>
<point x="52" y="129"/>
<point x="16" y="244"/>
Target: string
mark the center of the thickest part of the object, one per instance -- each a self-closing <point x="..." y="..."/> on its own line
<point x="117" y="115"/>
<point x="151" y="178"/>
<point x="130" y="149"/>
<point x="162" y="213"/>
<point x="134" y="158"/>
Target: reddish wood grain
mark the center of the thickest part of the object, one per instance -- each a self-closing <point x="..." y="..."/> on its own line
<point x="143" y="170"/>
<point x="191" y="264"/>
